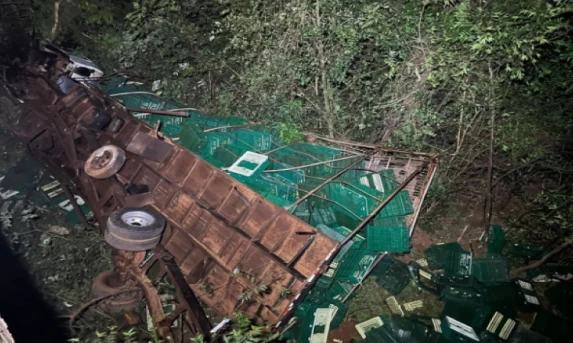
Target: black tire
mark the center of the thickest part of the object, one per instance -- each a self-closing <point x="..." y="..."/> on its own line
<point x="130" y="244"/>
<point x="136" y="223"/>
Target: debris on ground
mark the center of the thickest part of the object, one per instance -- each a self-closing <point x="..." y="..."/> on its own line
<point x="290" y="232"/>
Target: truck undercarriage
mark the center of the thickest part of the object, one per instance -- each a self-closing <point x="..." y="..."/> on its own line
<point x="221" y="239"/>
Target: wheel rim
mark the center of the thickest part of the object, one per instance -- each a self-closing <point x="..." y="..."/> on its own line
<point x="137" y="218"/>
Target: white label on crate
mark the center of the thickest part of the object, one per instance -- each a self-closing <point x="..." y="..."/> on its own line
<point x="462" y="328"/>
<point x="525" y="285"/>
<point x="50" y="185"/>
<point x="368" y="325"/>
<point x="55" y="193"/>
<point x="507" y="328"/>
<point x="425" y="274"/>
<point x="494" y="322"/>
<point x="378" y="182"/>
<point x="67" y="205"/>
<point x="437" y="325"/>
<point x="329" y="272"/>
<point x="334" y="309"/>
<point x="531" y="299"/>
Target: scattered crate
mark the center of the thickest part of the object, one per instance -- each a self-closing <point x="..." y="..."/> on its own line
<point x="394" y="306"/>
<point x="413" y="305"/>
<point x="364" y="327"/>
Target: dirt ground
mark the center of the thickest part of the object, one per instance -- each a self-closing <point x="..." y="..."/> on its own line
<point x="62" y="258"/>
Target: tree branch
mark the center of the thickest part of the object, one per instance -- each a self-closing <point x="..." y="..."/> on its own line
<point x="544" y="259"/>
<point x="56" y="19"/>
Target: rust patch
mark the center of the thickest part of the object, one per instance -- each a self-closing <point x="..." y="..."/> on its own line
<point x="147" y="177"/>
<point x="217" y="190"/>
<point x="179" y="245"/>
<point x="179" y="207"/>
<point x="260" y="216"/>
<point x="149" y="147"/>
<point x="234" y="207"/>
<point x="162" y="194"/>
<point x="281" y="227"/>
<point x="216" y="236"/>
<point x="314" y="255"/>
<point x="197" y="178"/>
<point x="179" y="168"/>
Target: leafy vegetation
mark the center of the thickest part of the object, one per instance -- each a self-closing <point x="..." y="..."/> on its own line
<point x="432" y="75"/>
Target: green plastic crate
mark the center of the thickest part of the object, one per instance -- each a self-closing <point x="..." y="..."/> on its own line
<point x="491" y="269"/>
<point x="191" y="136"/>
<point x="390" y="235"/>
<point x="341" y="310"/>
<point x="462" y="295"/>
<point x="225" y="156"/>
<point x="317" y="216"/>
<point x="283" y="187"/>
<point x="496" y="240"/>
<point x="450" y="257"/>
<point x="355" y="265"/>
<point x="253" y="140"/>
<point x="357" y="239"/>
<point x="400" y="206"/>
<point x="338" y="290"/>
<point x="351" y="199"/>
<point x="392" y="275"/>
<point x="526" y="250"/>
<point x="280" y="202"/>
<point x="295" y="175"/>
<point x="215" y="140"/>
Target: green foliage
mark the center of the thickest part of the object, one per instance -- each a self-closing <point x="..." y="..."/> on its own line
<point x="555" y="211"/>
<point x="114" y="335"/>
<point x="243" y="331"/>
<point x="430" y="75"/>
<point x="289" y="133"/>
<point x="92" y="28"/>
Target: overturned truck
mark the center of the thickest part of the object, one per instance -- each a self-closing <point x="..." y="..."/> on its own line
<point x="225" y="210"/>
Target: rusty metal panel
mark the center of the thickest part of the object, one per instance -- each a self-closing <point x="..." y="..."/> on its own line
<point x="218" y="188"/>
<point x="179" y="207"/>
<point x="127" y="131"/>
<point x="129" y="169"/>
<point x="163" y="194"/>
<point x="146" y="176"/>
<point x="260" y="216"/>
<point x="179" y="166"/>
<point x="314" y="255"/>
<point x="288" y="247"/>
<point x="179" y="245"/>
<point x="236" y="247"/>
<point x="191" y="219"/>
<point x="254" y="262"/>
<point x="216" y="236"/>
<point x="216" y="225"/>
<point x="194" y="265"/>
<point x="149" y="147"/>
<point x="280" y="228"/>
<point x="199" y="174"/>
<point x="205" y="219"/>
<point x="234" y="207"/>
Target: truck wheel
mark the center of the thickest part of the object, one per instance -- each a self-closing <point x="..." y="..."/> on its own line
<point x="105" y="162"/>
<point x="134" y="229"/>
